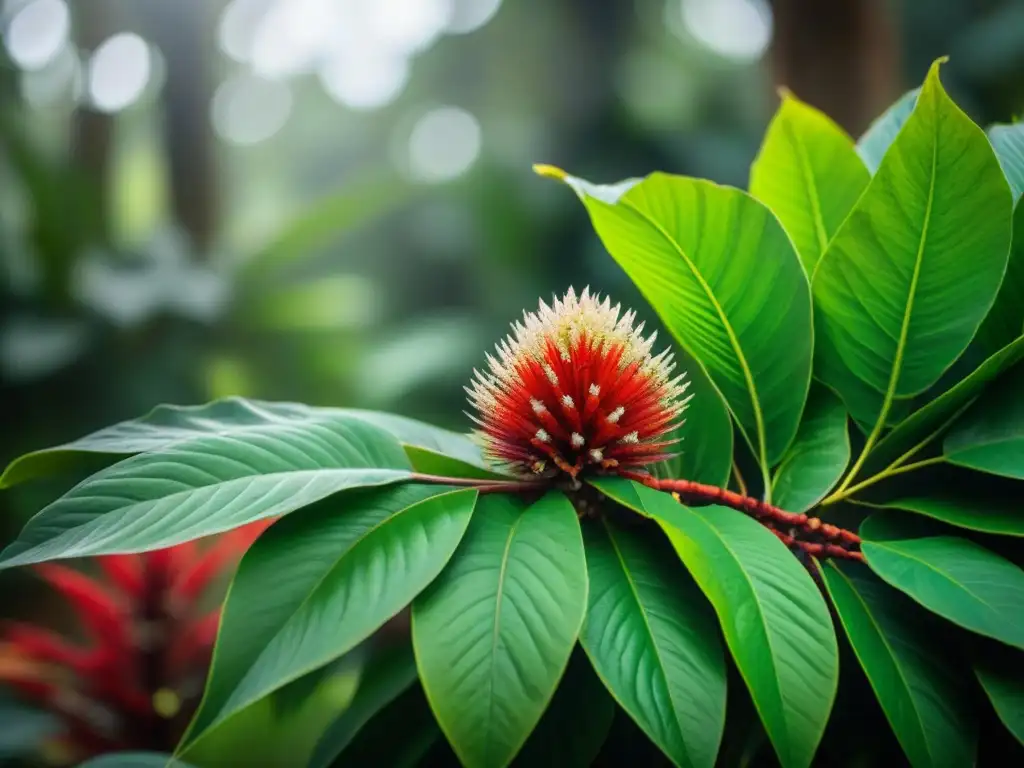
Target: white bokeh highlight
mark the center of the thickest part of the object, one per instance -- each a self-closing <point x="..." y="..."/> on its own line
<point x="470" y="15"/>
<point x="360" y="50"/>
<point x="734" y="29"/>
<point x="118" y="72"/>
<point x="443" y="144"/>
<point x="367" y="81"/>
<point x="249" y="109"/>
<point x="37" y="32"/>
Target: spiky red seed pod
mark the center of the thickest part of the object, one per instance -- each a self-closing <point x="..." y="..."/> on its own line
<point x="575" y="389"/>
<point x="135" y="682"/>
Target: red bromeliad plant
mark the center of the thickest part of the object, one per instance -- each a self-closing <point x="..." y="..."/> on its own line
<point x="135" y="681"/>
<point x="602" y="560"/>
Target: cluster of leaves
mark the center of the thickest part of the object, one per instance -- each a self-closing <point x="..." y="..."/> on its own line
<point x="856" y="320"/>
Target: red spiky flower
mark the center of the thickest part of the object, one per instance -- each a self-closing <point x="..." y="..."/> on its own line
<point x="136" y="680"/>
<point x="575" y="388"/>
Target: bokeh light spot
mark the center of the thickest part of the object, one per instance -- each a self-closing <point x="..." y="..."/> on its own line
<point x="118" y="72"/>
<point x="443" y="144"/>
<point x="365" y="82"/>
<point x="407" y="26"/>
<point x="734" y="29"/>
<point x="248" y="109"/>
<point x="470" y="15"/>
<point x="37" y="33"/>
<point x="238" y="24"/>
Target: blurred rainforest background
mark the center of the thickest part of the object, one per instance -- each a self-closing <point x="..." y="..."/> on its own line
<point x="331" y="201"/>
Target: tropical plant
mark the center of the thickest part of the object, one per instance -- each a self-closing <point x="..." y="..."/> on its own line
<point x="138" y="679"/>
<point x="605" y="559"/>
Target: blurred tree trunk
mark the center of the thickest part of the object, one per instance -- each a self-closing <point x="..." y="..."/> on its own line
<point x="842" y="56"/>
<point x="91" y="131"/>
<point x="183" y="30"/>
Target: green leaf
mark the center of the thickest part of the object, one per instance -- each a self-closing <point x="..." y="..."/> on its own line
<point x="922" y="693"/>
<point x="310" y="591"/>
<point x="401" y="735"/>
<point x="809" y="174"/>
<point x="1003" y="683"/>
<point x="209" y="484"/>
<point x="268" y="736"/>
<point x="1008" y="142"/>
<point x="169" y="425"/>
<point x="997" y="516"/>
<point x="908" y="278"/>
<point x="1005" y="320"/>
<point x="653" y="641"/>
<point x="279" y="572"/>
<point x="883" y="131"/>
<point x="953" y="577"/>
<point x="723" y="276"/>
<point x="775" y="620"/>
<point x="427" y="437"/>
<point x="934" y="418"/>
<point x="388" y="675"/>
<point x="575" y="724"/>
<point x="818" y="456"/>
<point x="494" y="633"/>
<point x="705" y="447"/>
<point x="989" y="436"/>
<point x="23" y="728"/>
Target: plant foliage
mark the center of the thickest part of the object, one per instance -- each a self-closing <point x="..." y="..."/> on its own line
<point x="857" y="316"/>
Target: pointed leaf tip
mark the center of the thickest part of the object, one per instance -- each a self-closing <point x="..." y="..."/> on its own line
<point x="933" y="70"/>
<point x="549" y="171"/>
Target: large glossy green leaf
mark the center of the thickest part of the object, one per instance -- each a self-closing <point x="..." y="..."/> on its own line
<point x="722" y="274"/>
<point x="1008" y="142"/>
<point x="809" y="174"/>
<point x="1002" y="678"/>
<point x="953" y="577"/>
<point x="775" y="620"/>
<point x="652" y="639"/>
<point x="271" y="736"/>
<point x="880" y="135"/>
<point x="493" y="635"/>
<point x="575" y="724"/>
<point x="934" y="418"/>
<point x="923" y="694"/>
<point x="818" y="456"/>
<point x="1005" y="321"/>
<point x="338" y="579"/>
<point x="989" y="436"/>
<point x="168" y="425"/>
<point x="704" y="450"/>
<point x="209" y="484"/>
<point x="912" y="272"/>
<point x="998" y="516"/>
<point x="277" y="575"/>
<point x="388" y="675"/>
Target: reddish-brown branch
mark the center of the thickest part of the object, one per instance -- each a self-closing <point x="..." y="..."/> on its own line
<point x="834" y="540"/>
<point x="816" y="549"/>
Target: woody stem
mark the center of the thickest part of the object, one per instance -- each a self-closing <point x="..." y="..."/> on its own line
<point x="481" y="484"/>
<point x="833" y="540"/>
